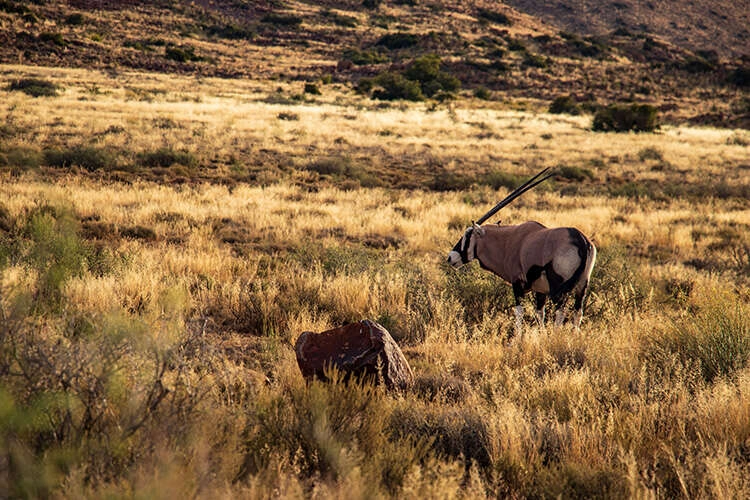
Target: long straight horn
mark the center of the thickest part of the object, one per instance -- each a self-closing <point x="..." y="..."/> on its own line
<point x="537" y="179"/>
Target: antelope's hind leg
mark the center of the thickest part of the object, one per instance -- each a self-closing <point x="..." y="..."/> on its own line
<point x="560" y="313"/>
<point x="541" y="300"/>
<point x="580" y="296"/>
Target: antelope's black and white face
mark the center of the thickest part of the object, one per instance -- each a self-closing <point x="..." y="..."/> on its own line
<point x="463" y="251"/>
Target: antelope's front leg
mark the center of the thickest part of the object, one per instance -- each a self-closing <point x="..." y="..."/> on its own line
<point x="518" y="291"/>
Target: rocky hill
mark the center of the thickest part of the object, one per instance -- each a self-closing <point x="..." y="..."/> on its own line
<point x="691" y="61"/>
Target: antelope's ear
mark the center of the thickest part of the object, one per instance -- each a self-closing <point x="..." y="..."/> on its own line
<point x="478" y="230"/>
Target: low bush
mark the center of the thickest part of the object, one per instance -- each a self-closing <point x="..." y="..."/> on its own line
<point x="650" y="153"/>
<point x="697" y="64"/>
<point x="184" y="53"/>
<point x="498" y="178"/>
<point x="426" y="70"/>
<point x="35" y="87"/>
<point x="341" y="19"/>
<point x="565" y="104"/>
<point x="494" y="17"/>
<point x="230" y="32"/>
<point x="395" y="41"/>
<point x="422" y="78"/>
<point x="53" y="38"/>
<point x="288" y="20"/>
<point x="75" y="19"/>
<point x="534" y="61"/>
<point x="574" y="173"/>
<point x="391" y="86"/>
<point x="740" y="77"/>
<point x="20" y="157"/>
<point x="625" y="118"/>
<point x="450" y="181"/>
<point x="166" y="157"/>
<point x="87" y="157"/>
<point x="364" y="57"/>
<point x="311" y="88"/>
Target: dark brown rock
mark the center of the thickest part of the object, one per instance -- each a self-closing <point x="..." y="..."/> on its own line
<point x="361" y="349"/>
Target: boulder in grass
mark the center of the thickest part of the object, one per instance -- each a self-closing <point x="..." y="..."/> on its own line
<point x="364" y="349"/>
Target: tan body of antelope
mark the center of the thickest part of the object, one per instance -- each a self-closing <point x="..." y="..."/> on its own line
<point x="551" y="262"/>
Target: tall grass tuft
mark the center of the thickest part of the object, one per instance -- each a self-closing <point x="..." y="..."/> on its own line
<point x="716" y="340"/>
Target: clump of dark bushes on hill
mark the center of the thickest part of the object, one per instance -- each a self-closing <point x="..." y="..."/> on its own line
<point x="421" y="79"/>
<point x="626" y="118"/>
<point x="395" y="41"/>
<point x="364" y="57"/>
<point x="286" y="20"/>
<point x="565" y="104"/>
<point x="35" y="87"/>
<point x="184" y="53"/>
<point x="86" y="157"/>
<point x="492" y="16"/>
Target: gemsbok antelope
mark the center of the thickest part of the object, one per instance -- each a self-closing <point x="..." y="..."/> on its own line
<point x="553" y="262"/>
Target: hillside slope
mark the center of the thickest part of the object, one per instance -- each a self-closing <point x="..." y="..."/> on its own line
<point x="720" y="26"/>
<point x="489" y="46"/>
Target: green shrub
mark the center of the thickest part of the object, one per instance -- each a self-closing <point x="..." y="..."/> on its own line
<point x="54" y="38"/>
<point x="363" y="57"/>
<point x="391" y="86"/>
<point x="450" y="181"/>
<point x="288" y="20"/>
<point x="13" y="7"/>
<point x="697" y="64"/>
<point x="21" y="157"/>
<point x="311" y="88"/>
<point x="426" y="71"/>
<point x="34" y="87"/>
<point x="574" y="173"/>
<point x="55" y="250"/>
<point x="534" y="61"/>
<point x="482" y="93"/>
<point x="395" y="41"/>
<point x="498" y="178"/>
<point x="166" y="157"/>
<point x="516" y="45"/>
<point x="650" y="153"/>
<point x="565" y="104"/>
<point x="231" y="32"/>
<point x="184" y="53"/>
<point x="494" y="17"/>
<point x="329" y="166"/>
<point x="75" y="19"/>
<point x="624" y="118"/>
<point x="740" y="77"/>
<point x="87" y="157"/>
<point x="340" y="19"/>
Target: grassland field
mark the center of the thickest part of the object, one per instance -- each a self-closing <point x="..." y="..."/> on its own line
<point x="165" y="239"/>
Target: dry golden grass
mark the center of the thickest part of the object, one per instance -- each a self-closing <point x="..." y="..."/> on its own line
<point x="211" y="282"/>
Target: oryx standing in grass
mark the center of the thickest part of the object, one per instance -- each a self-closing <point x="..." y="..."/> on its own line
<point x="553" y="262"/>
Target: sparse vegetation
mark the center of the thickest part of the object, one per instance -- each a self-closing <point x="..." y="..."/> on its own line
<point x="164" y="239"/>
